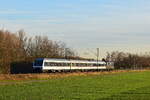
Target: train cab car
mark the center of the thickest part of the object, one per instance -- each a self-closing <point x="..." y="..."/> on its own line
<point x="53" y="65"/>
<point x="38" y="64"/>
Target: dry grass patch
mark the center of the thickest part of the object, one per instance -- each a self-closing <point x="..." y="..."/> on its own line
<point x="59" y="75"/>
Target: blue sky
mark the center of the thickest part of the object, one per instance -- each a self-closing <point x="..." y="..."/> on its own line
<point x="81" y="23"/>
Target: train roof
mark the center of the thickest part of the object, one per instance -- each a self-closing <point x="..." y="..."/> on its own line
<point x="69" y="60"/>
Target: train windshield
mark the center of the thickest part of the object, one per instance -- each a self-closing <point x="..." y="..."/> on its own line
<point x="38" y="62"/>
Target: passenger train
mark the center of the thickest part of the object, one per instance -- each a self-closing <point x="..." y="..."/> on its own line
<point x="58" y="65"/>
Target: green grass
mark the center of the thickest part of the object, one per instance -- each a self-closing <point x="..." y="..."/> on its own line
<point x="122" y="86"/>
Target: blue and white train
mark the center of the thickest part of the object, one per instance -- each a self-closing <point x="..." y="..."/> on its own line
<point x="54" y="65"/>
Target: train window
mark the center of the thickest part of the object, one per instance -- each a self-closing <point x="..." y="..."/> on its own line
<point x="63" y="64"/>
<point x="69" y="64"/>
<point x="94" y="64"/>
<point x="52" y="64"/>
<point x="81" y="64"/>
<point x="46" y="63"/>
<point x="73" y="64"/>
<point x="100" y="65"/>
<point x="55" y="64"/>
<point x="84" y="64"/>
<point x="38" y="62"/>
<point x="89" y="64"/>
<point x="58" y="64"/>
<point x="66" y="64"/>
<point x="77" y="64"/>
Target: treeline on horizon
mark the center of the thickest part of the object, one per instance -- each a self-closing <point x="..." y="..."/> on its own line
<point x="17" y="47"/>
<point x="128" y="60"/>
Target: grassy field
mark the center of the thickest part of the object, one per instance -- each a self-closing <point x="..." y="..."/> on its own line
<point x="119" y="86"/>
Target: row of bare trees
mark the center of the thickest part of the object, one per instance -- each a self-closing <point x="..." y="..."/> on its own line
<point x="15" y="47"/>
<point x="129" y="61"/>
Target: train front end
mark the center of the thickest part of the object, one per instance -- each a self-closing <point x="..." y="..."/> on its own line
<point x="38" y="65"/>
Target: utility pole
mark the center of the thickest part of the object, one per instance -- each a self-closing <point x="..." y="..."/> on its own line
<point x="66" y="57"/>
<point x="66" y="53"/>
<point x="97" y="57"/>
